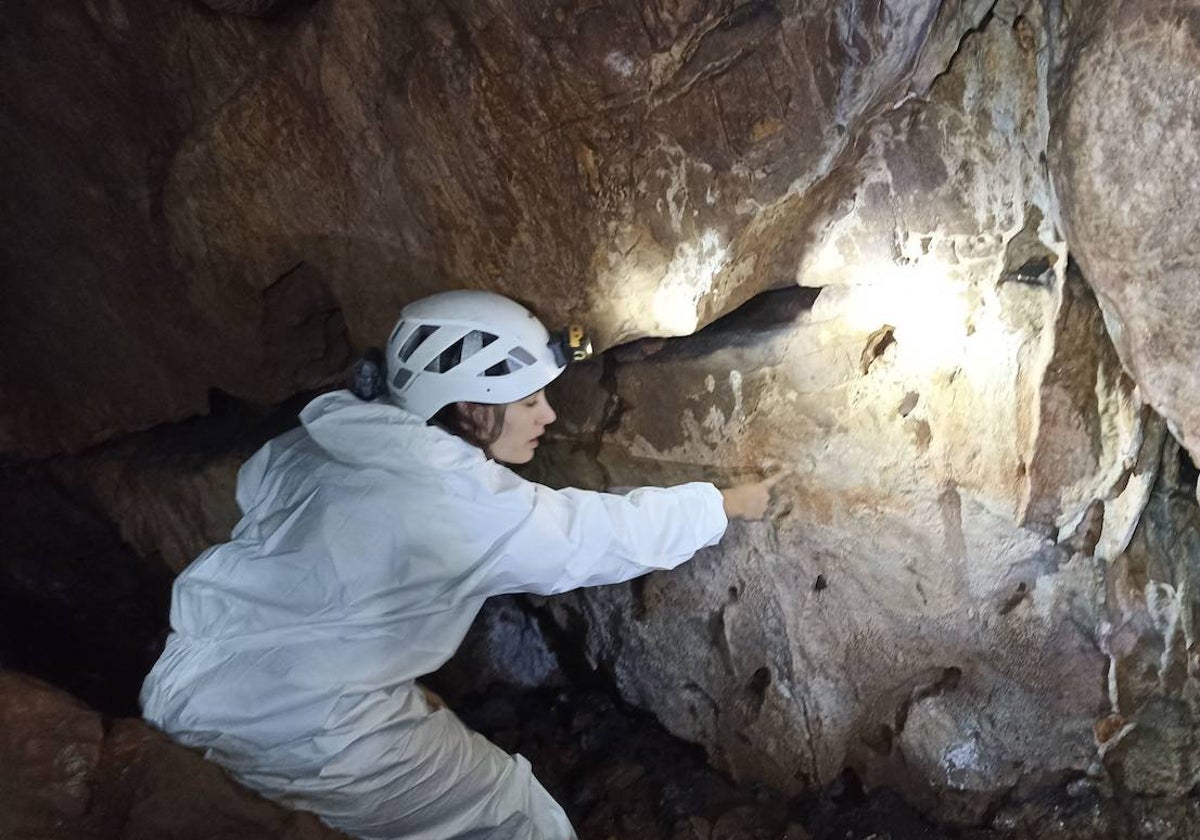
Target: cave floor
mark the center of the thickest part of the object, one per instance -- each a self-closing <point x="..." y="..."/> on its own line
<point x="619" y="774"/>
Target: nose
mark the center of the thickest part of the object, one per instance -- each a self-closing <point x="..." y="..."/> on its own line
<point x="548" y="414"/>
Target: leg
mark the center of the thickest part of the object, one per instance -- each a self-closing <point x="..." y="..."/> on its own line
<point x="432" y="779"/>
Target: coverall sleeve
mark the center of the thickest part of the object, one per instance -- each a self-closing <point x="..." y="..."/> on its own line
<point x="572" y="538"/>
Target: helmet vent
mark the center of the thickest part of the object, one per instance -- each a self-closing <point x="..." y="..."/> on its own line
<point x="401" y="378"/>
<point x="416" y="340"/>
<point x="522" y="356"/>
<point x="518" y="358"/>
<point x="460" y="351"/>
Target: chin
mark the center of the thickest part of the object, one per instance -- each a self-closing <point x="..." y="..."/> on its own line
<point x="515" y="459"/>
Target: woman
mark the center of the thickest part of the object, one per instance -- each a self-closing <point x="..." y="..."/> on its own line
<point x="370" y="538"/>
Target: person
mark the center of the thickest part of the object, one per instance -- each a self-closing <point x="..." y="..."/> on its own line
<point x="370" y="537"/>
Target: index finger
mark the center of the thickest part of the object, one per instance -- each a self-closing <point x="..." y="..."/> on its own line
<point x="773" y="479"/>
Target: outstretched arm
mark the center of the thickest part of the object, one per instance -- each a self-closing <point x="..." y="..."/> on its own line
<point x="565" y="539"/>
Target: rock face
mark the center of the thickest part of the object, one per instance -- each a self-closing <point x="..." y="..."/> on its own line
<point x="972" y="344"/>
<point x="243" y="200"/>
<point x="78" y="779"/>
<point x="1127" y="165"/>
<point x="952" y="603"/>
<point x="896" y="617"/>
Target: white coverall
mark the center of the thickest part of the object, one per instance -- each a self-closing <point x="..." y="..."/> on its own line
<point x="368" y="544"/>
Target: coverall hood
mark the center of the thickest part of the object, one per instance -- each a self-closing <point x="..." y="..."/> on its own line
<point x="381" y="434"/>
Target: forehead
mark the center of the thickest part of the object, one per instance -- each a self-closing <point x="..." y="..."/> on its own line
<point x="529" y="398"/>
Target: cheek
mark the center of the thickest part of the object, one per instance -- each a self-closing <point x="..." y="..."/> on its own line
<point x="517" y="425"/>
<point x="508" y="431"/>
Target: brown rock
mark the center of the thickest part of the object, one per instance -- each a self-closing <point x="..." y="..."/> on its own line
<point x="970" y="543"/>
<point x="51" y="747"/>
<point x="198" y="201"/>
<point x="250" y="7"/>
<point x="65" y="776"/>
<point x="1127" y="166"/>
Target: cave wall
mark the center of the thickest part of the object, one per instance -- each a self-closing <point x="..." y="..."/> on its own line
<point x="966" y="225"/>
<point x="244" y="200"/>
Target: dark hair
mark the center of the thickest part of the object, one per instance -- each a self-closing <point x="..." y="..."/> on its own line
<point x="459" y="423"/>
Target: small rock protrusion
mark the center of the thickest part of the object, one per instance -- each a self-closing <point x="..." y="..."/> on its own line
<point x="877" y="343"/>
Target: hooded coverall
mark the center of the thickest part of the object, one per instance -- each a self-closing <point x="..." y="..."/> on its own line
<point x="368" y="543"/>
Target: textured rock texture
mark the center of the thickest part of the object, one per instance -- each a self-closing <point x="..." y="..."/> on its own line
<point x="80" y="779"/>
<point x="974" y="352"/>
<point x="242" y="200"/>
<point x="1127" y="165"/>
<point x="896" y="616"/>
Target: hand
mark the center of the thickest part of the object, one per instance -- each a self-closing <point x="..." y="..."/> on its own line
<point x="750" y="501"/>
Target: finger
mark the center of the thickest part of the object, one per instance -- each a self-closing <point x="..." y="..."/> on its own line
<point x="771" y="480"/>
<point x="779" y="508"/>
<point x="770" y="466"/>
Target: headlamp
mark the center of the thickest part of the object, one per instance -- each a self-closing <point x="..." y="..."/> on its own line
<point x="570" y="345"/>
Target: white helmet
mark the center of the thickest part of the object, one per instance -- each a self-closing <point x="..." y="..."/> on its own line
<point x="468" y="345"/>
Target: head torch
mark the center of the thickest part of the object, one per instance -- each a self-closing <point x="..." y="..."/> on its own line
<point x="570" y="345"/>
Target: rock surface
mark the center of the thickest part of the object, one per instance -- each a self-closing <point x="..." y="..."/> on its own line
<point x="1127" y="165"/>
<point x="80" y="778"/>
<point x="976" y="359"/>
<point x="243" y="200"/>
